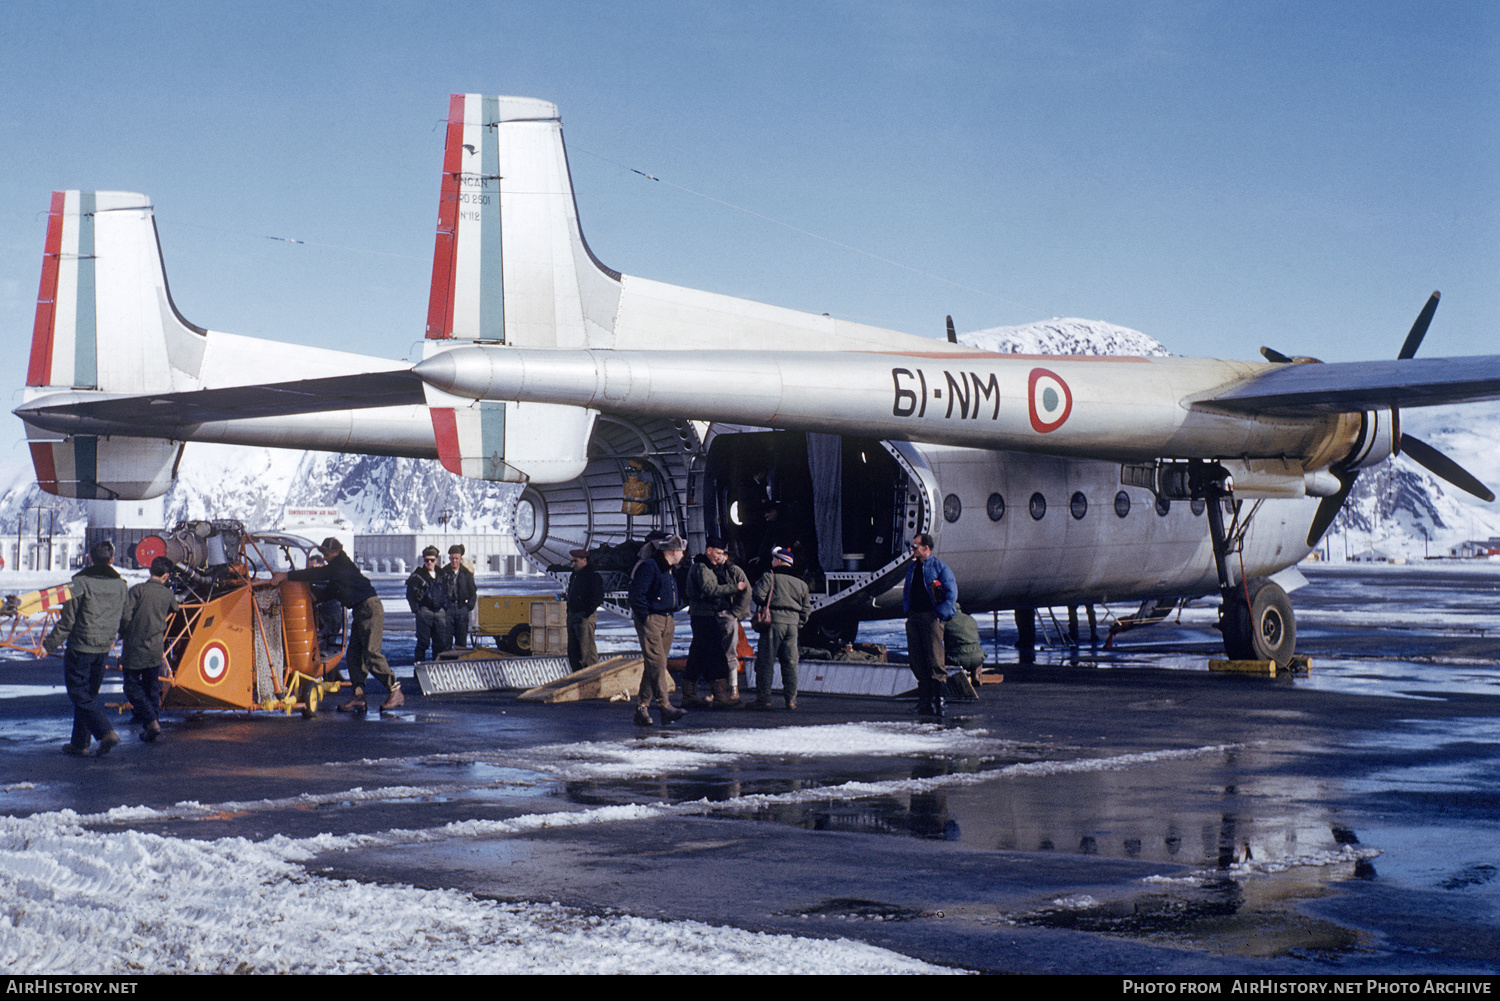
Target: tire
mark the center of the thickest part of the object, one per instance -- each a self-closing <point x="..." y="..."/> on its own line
<point x="519" y="639"/>
<point x="1266" y="630"/>
<point x="309" y="693"/>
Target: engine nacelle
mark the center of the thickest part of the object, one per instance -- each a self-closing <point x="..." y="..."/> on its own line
<point x="1379" y="438"/>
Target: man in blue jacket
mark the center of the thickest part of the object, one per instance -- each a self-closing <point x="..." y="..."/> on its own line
<point x="929" y="599"/>
<point x="653" y="599"/>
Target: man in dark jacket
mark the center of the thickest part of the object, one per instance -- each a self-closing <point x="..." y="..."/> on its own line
<point x="90" y="620"/>
<point x="585" y="595"/>
<point x="463" y="595"/>
<point x="367" y="628"/>
<point x="149" y="607"/>
<point x="929" y="597"/>
<point x="427" y="596"/>
<point x="718" y="597"/>
<point x="653" y="599"/>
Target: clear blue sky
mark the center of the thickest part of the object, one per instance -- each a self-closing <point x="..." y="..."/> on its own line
<point x="1220" y="176"/>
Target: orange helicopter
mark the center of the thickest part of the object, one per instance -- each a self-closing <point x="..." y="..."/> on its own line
<point x="242" y="640"/>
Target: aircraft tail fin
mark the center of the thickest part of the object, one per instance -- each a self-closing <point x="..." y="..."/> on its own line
<point x="104" y="317"/>
<point x="105" y="321"/>
<point x="510" y="266"/>
<point x="510" y="262"/>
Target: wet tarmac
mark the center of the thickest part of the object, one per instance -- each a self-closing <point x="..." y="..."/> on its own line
<point x="1115" y="811"/>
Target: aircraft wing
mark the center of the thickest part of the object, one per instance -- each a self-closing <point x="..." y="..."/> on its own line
<point x="169" y="412"/>
<point x="1360" y="385"/>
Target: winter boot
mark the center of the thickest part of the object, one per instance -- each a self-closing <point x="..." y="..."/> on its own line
<point x="670" y="715"/>
<point x="924" y="697"/>
<point x="643" y="716"/>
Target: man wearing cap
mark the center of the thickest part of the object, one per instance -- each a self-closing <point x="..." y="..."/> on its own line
<point x="88" y="625"/>
<point x="929" y="597"/>
<point x="718" y="597"/>
<point x="367" y="627"/>
<point x="149" y="607"/>
<point x="786" y="596"/>
<point x="427" y="596"/>
<point x="653" y="599"/>
<point x="463" y="595"/>
<point x="585" y="595"/>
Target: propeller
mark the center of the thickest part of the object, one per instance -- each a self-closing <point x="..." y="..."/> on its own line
<point x="952" y="334"/>
<point x="1439" y="464"/>
<point x="1415" y="449"/>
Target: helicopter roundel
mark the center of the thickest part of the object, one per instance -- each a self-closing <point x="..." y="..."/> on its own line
<point x="1048" y="399"/>
<point x="213" y="661"/>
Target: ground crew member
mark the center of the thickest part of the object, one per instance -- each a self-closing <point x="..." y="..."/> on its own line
<point x="330" y="614"/>
<point x="718" y="597"/>
<point x="463" y="595"/>
<point x="1073" y="625"/>
<point x="585" y="595"/>
<point x="90" y="620"/>
<point x="367" y="628"/>
<point x="149" y="607"/>
<point x="427" y="595"/>
<point x="929" y="598"/>
<point x="653" y="599"/>
<point x="786" y="596"/>
<point x="961" y="644"/>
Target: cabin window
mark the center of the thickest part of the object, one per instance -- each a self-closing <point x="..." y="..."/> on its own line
<point x="1078" y="505"/>
<point x="995" y="507"/>
<point x="1038" y="507"/>
<point x="952" y="508"/>
<point x="1163" y="505"/>
<point x="1122" y="503"/>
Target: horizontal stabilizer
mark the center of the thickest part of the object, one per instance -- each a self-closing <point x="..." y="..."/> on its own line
<point x="1342" y="387"/>
<point x="167" y="414"/>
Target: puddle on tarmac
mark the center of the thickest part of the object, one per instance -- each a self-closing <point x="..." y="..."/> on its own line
<point x="1231" y="917"/>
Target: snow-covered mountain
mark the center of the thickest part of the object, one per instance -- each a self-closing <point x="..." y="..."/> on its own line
<point x="376" y="494"/>
<point x="1064" y="336"/>
<point x="1398" y="507"/>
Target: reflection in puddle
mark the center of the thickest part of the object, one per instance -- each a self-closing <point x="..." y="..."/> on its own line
<point x="1232" y="917"/>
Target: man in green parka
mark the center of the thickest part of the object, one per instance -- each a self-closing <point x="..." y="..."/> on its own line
<point x="89" y="623"/>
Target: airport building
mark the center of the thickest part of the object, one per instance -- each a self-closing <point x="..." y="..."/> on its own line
<point x="490" y="552"/>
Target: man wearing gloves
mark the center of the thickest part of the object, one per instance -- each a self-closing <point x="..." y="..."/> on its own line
<point x="928" y="597"/>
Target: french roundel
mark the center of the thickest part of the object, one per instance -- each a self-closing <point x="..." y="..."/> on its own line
<point x="1049" y="399"/>
<point x="213" y="662"/>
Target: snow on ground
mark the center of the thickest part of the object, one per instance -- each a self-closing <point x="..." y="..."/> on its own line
<point x="127" y="902"/>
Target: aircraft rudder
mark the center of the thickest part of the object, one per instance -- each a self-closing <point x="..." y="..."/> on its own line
<point x="39" y="367"/>
<point x="509" y="261"/>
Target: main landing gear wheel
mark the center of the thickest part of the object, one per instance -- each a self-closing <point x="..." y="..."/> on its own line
<point x="1266" y="629"/>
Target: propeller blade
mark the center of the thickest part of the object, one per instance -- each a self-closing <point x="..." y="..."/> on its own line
<point x="1419" y="330"/>
<point x="1328" y="508"/>
<point x="952" y="334"/>
<point x="1440" y="465"/>
<point x="1272" y="355"/>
